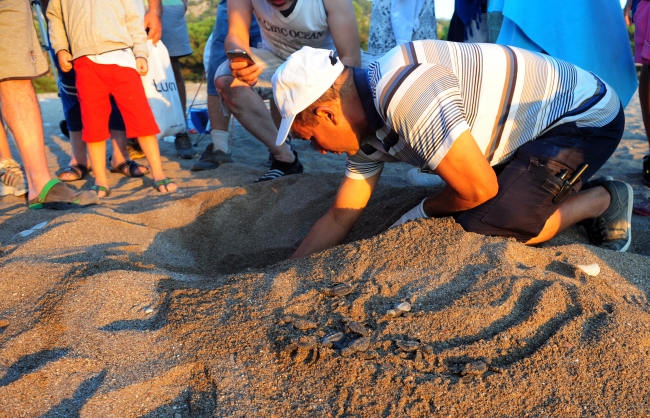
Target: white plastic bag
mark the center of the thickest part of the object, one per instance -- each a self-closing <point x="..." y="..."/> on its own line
<point x="206" y="52"/>
<point x="162" y="91"/>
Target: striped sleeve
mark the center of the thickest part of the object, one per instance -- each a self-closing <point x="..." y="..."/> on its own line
<point x="359" y="166"/>
<point x="423" y="104"/>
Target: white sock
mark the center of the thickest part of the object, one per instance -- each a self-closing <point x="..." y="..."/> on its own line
<point x="220" y="140"/>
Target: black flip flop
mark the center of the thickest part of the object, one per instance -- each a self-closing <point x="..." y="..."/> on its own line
<point x="128" y="169"/>
<point x="79" y="170"/>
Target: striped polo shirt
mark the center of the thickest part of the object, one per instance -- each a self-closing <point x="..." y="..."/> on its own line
<point x="421" y="96"/>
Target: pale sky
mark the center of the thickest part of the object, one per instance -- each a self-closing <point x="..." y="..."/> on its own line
<point x="445" y="8"/>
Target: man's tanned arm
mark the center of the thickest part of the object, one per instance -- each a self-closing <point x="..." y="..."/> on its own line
<point x="240" y="15"/>
<point x="153" y="20"/>
<point x="345" y="33"/>
<point x="334" y="226"/>
<point x="469" y="177"/>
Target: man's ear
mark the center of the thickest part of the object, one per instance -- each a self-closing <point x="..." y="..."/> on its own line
<point x="326" y="112"/>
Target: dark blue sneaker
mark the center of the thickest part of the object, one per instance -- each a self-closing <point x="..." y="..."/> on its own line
<point x="280" y="169"/>
<point x="613" y="228"/>
<point x="184" y="146"/>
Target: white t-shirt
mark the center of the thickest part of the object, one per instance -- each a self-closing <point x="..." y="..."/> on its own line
<point x="305" y="26"/>
<point x="122" y="57"/>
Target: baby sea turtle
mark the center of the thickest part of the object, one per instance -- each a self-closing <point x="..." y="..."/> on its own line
<point x="407" y="345"/>
<point x="332" y="338"/>
<point x="357" y="328"/>
<point x="475" y="367"/>
<point x="303" y="324"/>
<point x="339" y="289"/>
<point x="360" y="345"/>
<point x="305" y="343"/>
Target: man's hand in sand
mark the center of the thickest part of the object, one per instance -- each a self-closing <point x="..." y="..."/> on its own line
<point x="65" y="60"/>
<point x="142" y="66"/>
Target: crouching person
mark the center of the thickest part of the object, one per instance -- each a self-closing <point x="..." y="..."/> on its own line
<point x="467" y="112"/>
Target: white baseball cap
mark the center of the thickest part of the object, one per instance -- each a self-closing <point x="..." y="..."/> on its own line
<point x="300" y="81"/>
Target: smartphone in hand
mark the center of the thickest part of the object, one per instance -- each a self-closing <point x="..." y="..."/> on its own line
<point x="240" y="56"/>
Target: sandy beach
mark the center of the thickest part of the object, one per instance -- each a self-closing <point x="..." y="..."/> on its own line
<point x="184" y="305"/>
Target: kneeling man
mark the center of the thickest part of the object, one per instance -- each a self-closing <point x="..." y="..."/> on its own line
<point x="514" y="134"/>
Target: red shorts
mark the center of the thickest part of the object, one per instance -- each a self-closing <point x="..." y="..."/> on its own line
<point x="95" y="84"/>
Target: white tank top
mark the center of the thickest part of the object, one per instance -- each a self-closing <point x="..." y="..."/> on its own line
<point x="305" y="26"/>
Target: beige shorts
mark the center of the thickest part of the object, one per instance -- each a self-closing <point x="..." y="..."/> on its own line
<point x="22" y="57"/>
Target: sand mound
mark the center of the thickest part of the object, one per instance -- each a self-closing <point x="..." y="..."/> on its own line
<point x="182" y="305"/>
<point x="500" y="327"/>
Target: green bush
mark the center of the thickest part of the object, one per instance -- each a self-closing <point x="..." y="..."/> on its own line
<point x="45" y="84"/>
<point x="192" y="65"/>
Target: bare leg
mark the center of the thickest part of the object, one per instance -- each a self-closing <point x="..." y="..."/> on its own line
<point x="249" y="109"/>
<point x="97" y="153"/>
<point x="275" y="114"/>
<point x="120" y="153"/>
<point x="5" y="151"/>
<point x="21" y="111"/>
<point x="218" y="121"/>
<point x="118" y="141"/>
<point x="180" y="83"/>
<point x="79" y="155"/>
<point x="150" y="148"/>
<point x="644" y="97"/>
<point x="583" y="205"/>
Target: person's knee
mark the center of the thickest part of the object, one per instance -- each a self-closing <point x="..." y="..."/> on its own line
<point x="223" y="84"/>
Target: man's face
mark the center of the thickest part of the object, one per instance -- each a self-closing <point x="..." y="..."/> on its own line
<point x="327" y="136"/>
<point x="280" y="4"/>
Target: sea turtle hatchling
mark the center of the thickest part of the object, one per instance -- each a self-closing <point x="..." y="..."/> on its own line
<point x="339" y="289"/>
<point x="303" y="324"/>
<point x="357" y="328"/>
<point x="305" y="343"/>
<point x="332" y="338"/>
<point x="407" y="345"/>
<point x="359" y="345"/>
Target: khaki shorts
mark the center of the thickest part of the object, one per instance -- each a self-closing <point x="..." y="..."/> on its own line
<point x="22" y="57"/>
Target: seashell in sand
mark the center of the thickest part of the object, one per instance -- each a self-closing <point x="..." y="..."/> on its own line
<point x="590" y="269"/>
<point x="304" y="325"/>
<point x="357" y="328"/>
<point x="407" y="345"/>
<point x="392" y="313"/>
<point x="403" y="307"/>
<point x="339" y="289"/>
<point x="332" y="338"/>
<point x="398" y="310"/>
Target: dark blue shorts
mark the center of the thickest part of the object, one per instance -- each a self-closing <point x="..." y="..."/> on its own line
<point x="217" y="50"/>
<point x="528" y="183"/>
<point x="72" y="111"/>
